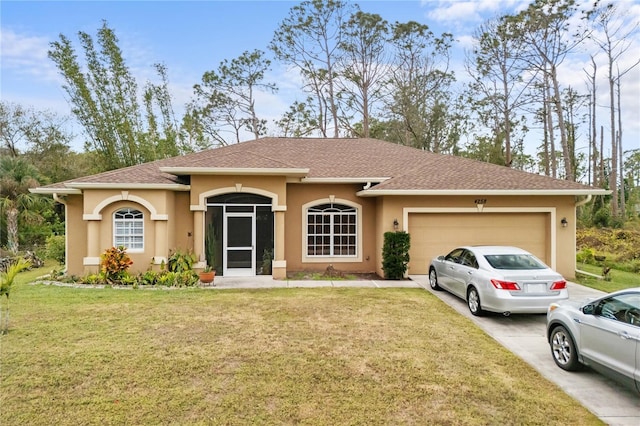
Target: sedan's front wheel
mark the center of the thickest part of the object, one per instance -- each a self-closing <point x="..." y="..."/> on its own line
<point x="473" y="301"/>
<point x="433" y="279"/>
<point x="563" y="349"/>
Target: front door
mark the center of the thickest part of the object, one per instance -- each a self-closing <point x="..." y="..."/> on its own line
<point x="239" y="257"/>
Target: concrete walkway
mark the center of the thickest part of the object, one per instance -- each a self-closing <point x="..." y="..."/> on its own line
<point x="266" y="281"/>
<point x="524" y="335"/>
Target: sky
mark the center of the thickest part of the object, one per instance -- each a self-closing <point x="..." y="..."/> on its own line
<point x="192" y="37"/>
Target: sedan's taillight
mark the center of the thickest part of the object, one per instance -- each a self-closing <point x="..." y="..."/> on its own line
<point x="505" y="285"/>
<point x="559" y="285"/>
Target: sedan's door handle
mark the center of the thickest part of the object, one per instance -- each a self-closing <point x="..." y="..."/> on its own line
<point x="470" y="272"/>
<point x="623" y="334"/>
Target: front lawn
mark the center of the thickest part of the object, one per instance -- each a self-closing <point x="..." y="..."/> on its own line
<point x="323" y="356"/>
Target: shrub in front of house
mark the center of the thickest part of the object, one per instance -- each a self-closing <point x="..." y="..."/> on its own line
<point x="114" y="263"/>
<point x="395" y="254"/>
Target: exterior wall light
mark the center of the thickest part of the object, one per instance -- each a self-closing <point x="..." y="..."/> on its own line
<point x="395" y="224"/>
<point x="564" y="222"/>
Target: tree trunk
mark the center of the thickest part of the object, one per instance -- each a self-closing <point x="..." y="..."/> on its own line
<point x="12" y="229"/>
<point x="613" y="175"/>
<point x="550" y="131"/>
<point x="623" y="200"/>
<point x="564" y="140"/>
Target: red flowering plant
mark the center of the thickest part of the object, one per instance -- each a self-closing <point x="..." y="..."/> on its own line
<point x="114" y="263"/>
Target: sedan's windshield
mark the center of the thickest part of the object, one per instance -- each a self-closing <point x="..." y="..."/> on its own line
<point x="514" y="261"/>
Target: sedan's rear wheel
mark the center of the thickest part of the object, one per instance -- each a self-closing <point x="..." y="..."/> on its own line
<point x="473" y="301"/>
<point x="433" y="279"/>
<point x="563" y="349"/>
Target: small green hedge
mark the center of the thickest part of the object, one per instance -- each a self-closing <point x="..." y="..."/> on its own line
<point x="395" y="254"/>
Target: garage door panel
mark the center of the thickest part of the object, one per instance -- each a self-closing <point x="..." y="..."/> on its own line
<point x="434" y="234"/>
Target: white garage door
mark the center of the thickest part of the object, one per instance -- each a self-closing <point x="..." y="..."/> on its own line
<point x="434" y="234"/>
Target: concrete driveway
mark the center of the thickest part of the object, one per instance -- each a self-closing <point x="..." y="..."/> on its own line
<point x="524" y="335"/>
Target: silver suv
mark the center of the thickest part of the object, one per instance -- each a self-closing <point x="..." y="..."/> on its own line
<point x="603" y="334"/>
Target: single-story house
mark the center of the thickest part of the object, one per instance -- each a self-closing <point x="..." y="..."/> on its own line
<point x="283" y="205"/>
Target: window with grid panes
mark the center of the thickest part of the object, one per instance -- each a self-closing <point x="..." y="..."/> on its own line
<point x="128" y="229"/>
<point x="332" y="230"/>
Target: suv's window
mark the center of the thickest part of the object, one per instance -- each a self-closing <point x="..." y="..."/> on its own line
<point x="623" y="307"/>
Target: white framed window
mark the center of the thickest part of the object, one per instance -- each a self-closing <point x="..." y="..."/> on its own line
<point x="128" y="229"/>
<point x="332" y="231"/>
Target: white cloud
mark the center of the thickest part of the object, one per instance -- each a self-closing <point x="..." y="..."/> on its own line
<point x="26" y="56"/>
<point x="463" y="13"/>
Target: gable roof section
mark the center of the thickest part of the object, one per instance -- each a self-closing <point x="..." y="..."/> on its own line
<point x="391" y="168"/>
<point x="438" y="173"/>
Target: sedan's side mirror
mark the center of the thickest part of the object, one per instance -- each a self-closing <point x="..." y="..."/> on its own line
<point x="588" y="309"/>
<point x="440" y="258"/>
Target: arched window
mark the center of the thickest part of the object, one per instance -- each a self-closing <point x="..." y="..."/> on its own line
<point x="128" y="229"/>
<point x="332" y="231"/>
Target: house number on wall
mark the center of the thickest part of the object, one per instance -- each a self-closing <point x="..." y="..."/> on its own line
<point x="481" y="201"/>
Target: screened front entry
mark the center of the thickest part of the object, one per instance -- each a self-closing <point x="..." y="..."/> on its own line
<point x="239" y="234"/>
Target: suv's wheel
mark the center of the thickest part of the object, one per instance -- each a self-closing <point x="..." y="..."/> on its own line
<point x="473" y="302"/>
<point x="433" y="279"/>
<point x="563" y="349"/>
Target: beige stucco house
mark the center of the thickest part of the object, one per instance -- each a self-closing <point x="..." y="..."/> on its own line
<point x="282" y="205"/>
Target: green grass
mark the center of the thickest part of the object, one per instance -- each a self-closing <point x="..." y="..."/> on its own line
<point x="618" y="279"/>
<point x="321" y="356"/>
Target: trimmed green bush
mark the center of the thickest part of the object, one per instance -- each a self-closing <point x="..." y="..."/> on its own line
<point x="395" y="254"/>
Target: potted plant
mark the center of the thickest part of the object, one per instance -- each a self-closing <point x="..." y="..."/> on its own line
<point x="207" y="275"/>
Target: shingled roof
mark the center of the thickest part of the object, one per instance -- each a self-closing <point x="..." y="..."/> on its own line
<point x="391" y="168"/>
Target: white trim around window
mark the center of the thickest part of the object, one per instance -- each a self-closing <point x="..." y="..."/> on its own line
<point x="331" y="231"/>
<point x="128" y="229"/>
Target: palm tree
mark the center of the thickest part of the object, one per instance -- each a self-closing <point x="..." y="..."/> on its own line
<point x="16" y="177"/>
<point x="6" y="281"/>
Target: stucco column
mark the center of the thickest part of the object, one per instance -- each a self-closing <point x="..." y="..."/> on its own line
<point x="279" y="265"/>
<point x="198" y="236"/>
<point x="161" y="243"/>
<point x="92" y="260"/>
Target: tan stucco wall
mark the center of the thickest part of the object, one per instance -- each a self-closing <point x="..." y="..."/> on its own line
<point x="178" y="221"/>
<point x="274" y="187"/>
<point x="76" y="235"/>
<point x="393" y="207"/>
<point x="264" y="184"/>
<point x="167" y="224"/>
<point x="301" y="194"/>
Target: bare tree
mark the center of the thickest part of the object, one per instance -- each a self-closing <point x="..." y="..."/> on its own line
<point x="225" y="101"/>
<point x="613" y="36"/>
<point x="421" y="102"/>
<point x="498" y="87"/>
<point x="364" y="64"/>
<point x="310" y="40"/>
<point x="543" y="27"/>
<point x="593" y="133"/>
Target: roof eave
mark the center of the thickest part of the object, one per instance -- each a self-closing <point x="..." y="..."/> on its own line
<point x="532" y="192"/>
<point x="52" y="191"/>
<point x="107" y="185"/>
<point x="345" y="180"/>
<point x="183" y="171"/>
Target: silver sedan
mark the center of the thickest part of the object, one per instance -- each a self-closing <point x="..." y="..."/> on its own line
<point x="498" y="279"/>
<point x="603" y="334"/>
